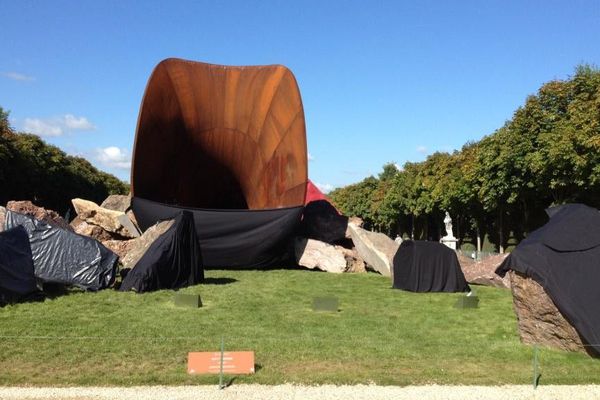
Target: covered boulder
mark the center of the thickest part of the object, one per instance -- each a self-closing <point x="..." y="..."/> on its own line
<point x="17" y="281"/>
<point x="172" y="261"/>
<point x="321" y="221"/>
<point x="563" y="257"/>
<point x="61" y="256"/>
<point x="422" y="266"/>
<point x="229" y="145"/>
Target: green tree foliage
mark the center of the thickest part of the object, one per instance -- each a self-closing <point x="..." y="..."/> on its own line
<point x="547" y="154"/>
<point x="356" y="199"/>
<point x="32" y="170"/>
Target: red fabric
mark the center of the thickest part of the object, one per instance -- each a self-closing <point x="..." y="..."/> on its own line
<point x="313" y="193"/>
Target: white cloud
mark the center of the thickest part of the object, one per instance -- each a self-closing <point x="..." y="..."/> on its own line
<point x="114" y="157"/>
<point x="42" y="127"/>
<point x="16" y="76"/>
<point x="398" y="167"/>
<point x="422" y="149"/>
<point x="310" y="157"/>
<point x="77" y="123"/>
<point x="57" y="126"/>
<point x="324" y="187"/>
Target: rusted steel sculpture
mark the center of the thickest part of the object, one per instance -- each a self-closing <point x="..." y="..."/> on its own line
<point x="211" y="136"/>
<point x="215" y="138"/>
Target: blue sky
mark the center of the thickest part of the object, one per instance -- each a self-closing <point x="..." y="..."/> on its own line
<point x="381" y="81"/>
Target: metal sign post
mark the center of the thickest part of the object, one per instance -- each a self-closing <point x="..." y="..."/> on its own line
<point x="221" y="386"/>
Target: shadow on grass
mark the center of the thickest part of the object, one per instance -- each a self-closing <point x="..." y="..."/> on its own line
<point x="54" y="290"/>
<point x="218" y="281"/>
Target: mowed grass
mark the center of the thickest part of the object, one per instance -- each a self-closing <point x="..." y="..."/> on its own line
<point x="379" y="335"/>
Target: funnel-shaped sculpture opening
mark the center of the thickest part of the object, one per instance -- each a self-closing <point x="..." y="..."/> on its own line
<point x="229" y="145"/>
<point x="219" y="137"/>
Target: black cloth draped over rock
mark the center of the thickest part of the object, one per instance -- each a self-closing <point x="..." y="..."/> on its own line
<point x="422" y="266"/>
<point x="173" y="261"/>
<point x="563" y="256"/>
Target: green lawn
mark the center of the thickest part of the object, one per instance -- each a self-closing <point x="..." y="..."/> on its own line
<point x="379" y="335"/>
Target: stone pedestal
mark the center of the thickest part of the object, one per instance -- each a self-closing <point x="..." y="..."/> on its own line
<point x="449" y="241"/>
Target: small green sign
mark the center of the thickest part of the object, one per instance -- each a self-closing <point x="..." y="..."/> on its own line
<point x="328" y="304"/>
<point x="187" y="300"/>
<point x="467" y="302"/>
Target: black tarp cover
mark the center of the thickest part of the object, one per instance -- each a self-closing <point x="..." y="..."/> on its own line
<point x="563" y="256"/>
<point x="173" y="261"/>
<point x="17" y="281"/>
<point x="231" y="238"/>
<point x="422" y="266"/>
<point x="60" y="256"/>
<point x="321" y="221"/>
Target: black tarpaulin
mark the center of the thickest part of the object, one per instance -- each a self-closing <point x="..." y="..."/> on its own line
<point x="231" y="238"/>
<point x="173" y="261"/>
<point x="421" y="266"/>
<point x="563" y="256"/>
<point x="60" y="256"/>
<point x="17" y="281"/>
<point x="321" y="221"/>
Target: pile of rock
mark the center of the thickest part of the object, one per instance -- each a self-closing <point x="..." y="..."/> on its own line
<point x="112" y="223"/>
<point x="363" y="250"/>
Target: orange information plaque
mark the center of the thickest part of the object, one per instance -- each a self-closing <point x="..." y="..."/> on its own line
<point x="209" y="362"/>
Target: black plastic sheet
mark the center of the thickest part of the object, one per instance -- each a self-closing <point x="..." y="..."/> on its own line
<point x="60" y="256"/>
<point x="17" y="281"/>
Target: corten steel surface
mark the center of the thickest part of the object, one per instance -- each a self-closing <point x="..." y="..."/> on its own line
<point x="212" y="136"/>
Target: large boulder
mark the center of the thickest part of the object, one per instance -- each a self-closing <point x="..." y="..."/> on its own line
<point x="356" y="221"/>
<point x="377" y="249"/>
<point x="48" y="216"/>
<point x="138" y="247"/>
<point x="311" y="253"/>
<point x="120" y="247"/>
<point x="84" y="228"/>
<point x="540" y="322"/>
<point x="321" y="221"/>
<point x="484" y="272"/>
<point x="117" y="202"/>
<point x="110" y="220"/>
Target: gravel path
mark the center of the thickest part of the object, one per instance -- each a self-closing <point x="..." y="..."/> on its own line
<point x="327" y="392"/>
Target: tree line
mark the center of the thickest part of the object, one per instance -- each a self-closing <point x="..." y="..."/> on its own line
<point x="496" y="188"/>
<point x="31" y="169"/>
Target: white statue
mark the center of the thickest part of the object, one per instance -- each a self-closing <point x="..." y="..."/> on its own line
<point x="448" y="223"/>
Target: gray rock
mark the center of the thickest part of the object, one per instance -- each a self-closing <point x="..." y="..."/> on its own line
<point x="84" y="228"/>
<point x="138" y="247"/>
<point x="376" y="249"/>
<point x="109" y="220"/>
<point x="356" y="221"/>
<point x="540" y="322"/>
<point x="120" y="247"/>
<point x="117" y="202"/>
<point x="483" y="272"/>
<point x="311" y="253"/>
